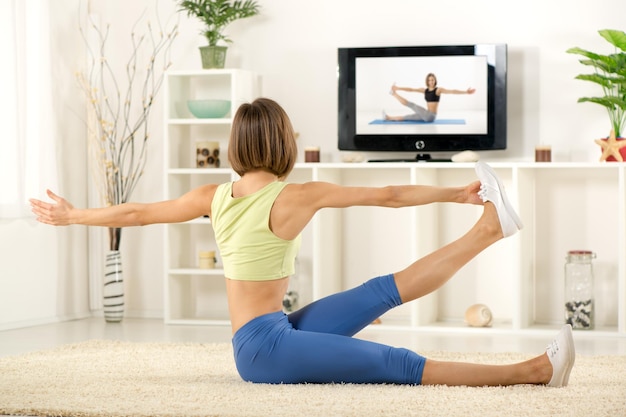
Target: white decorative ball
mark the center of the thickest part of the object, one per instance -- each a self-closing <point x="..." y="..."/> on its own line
<point x="478" y="315"/>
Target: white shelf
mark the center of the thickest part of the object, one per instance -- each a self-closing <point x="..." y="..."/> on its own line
<point x="201" y="220"/>
<point x="203" y="72"/>
<point x="563" y="205"/>
<point x="194" y="295"/>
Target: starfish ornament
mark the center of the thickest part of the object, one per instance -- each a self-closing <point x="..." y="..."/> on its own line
<point x="610" y="147"/>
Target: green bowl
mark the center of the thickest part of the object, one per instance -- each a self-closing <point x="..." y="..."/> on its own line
<point x="209" y="109"/>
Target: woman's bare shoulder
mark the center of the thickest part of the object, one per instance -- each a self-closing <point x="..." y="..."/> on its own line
<point x="313" y="186"/>
<point x="321" y="194"/>
<point x="311" y="191"/>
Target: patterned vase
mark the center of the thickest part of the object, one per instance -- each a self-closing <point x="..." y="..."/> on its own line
<point x="113" y="287"/>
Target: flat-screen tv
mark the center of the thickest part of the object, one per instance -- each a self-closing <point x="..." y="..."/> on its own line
<point x="422" y="99"/>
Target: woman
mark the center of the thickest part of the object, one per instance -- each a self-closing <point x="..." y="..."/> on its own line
<point x="432" y="94"/>
<point x="257" y="222"/>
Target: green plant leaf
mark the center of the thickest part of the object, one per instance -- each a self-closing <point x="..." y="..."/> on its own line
<point x="217" y="14"/>
<point x="610" y="75"/>
<point x="595" y="78"/>
<point x="583" y="52"/>
<point x="616" y="37"/>
<point x="608" y="102"/>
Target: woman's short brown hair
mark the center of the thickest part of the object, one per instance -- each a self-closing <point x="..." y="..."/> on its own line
<point x="262" y="137"/>
<point x="430" y="74"/>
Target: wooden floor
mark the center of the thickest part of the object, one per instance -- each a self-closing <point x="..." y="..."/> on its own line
<point x="28" y="339"/>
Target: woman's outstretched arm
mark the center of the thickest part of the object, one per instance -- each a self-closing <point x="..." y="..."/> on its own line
<point x="330" y="195"/>
<point x="298" y="203"/>
<point x="447" y="91"/>
<point x="61" y="212"/>
<point x="409" y="89"/>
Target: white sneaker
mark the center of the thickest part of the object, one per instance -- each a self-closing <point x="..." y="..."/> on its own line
<point x="491" y="189"/>
<point x="562" y="355"/>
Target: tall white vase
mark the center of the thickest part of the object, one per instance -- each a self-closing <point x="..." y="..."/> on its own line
<point x="113" y="287"/>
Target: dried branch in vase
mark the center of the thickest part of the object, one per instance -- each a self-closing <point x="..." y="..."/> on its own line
<point x="119" y="123"/>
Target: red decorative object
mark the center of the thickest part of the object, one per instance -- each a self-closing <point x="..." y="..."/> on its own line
<point x="613" y="149"/>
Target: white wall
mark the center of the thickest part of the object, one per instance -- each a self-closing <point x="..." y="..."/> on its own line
<point x="293" y="44"/>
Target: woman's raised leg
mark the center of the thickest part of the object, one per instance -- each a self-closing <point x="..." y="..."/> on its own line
<point x="497" y="221"/>
<point x="432" y="271"/>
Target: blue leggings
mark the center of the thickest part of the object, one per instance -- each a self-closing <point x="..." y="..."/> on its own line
<point x="314" y="344"/>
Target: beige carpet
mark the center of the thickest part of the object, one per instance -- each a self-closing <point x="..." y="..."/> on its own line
<point x="105" y="378"/>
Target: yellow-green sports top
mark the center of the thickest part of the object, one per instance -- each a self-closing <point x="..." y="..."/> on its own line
<point x="250" y="251"/>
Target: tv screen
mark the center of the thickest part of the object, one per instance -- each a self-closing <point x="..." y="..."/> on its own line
<point x="422" y="98"/>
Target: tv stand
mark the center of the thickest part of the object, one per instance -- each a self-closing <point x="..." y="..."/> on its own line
<point x="420" y="157"/>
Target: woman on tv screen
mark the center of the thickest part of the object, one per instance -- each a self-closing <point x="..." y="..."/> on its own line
<point x="432" y="95"/>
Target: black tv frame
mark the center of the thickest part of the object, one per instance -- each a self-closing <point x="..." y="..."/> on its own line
<point x="494" y="139"/>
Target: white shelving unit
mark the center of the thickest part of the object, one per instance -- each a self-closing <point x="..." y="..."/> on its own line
<point x="194" y="295"/>
<point x="564" y="206"/>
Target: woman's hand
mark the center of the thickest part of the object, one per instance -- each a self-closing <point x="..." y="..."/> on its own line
<point x="56" y="214"/>
<point x="471" y="193"/>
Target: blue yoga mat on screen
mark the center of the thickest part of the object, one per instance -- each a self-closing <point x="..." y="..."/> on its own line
<point x="418" y="122"/>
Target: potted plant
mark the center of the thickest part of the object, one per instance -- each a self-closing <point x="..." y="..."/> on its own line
<point x="609" y="71"/>
<point x="216" y="15"/>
